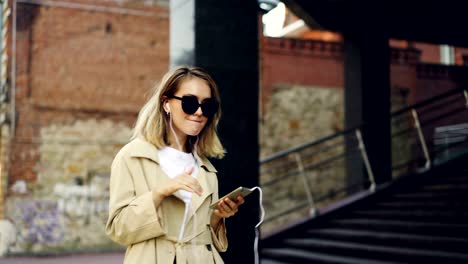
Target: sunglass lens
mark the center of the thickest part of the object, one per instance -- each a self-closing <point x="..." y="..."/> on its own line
<point x="189" y="104"/>
<point x="209" y="107"/>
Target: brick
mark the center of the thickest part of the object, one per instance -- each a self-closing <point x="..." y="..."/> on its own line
<point x="76" y="64"/>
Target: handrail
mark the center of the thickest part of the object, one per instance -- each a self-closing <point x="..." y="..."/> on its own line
<point x="362" y="148"/>
<point x="421" y="139"/>
<point x="429" y="101"/>
<point x="311" y="143"/>
<point x="436" y="105"/>
<point x="283" y="153"/>
<point x="317" y="165"/>
<point x="308" y="160"/>
<point x="305" y="203"/>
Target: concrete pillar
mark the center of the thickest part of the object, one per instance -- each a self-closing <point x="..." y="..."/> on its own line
<point x="367" y="100"/>
<point x="222" y="37"/>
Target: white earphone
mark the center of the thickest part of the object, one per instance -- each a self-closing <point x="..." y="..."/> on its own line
<point x="168" y="107"/>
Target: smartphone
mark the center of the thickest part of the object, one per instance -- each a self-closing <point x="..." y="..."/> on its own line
<point x="242" y="191"/>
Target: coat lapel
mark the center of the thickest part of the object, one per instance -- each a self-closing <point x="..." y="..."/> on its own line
<point x="197" y="201"/>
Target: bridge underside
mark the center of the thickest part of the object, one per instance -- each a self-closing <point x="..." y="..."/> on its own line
<point x="442" y="22"/>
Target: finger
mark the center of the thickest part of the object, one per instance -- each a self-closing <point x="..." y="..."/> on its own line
<point x="225" y="207"/>
<point x="224" y="210"/>
<point x="220" y="214"/>
<point x="230" y="203"/>
<point x="187" y="188"/>
<point x="189" y="170"/>
<point x="192" y="183"/>
<point x="195" y="189"/>
<point x="181" y="184"/>
<point x="184" y="176"/>
<point x="195" y="184"/>
<point x="240" y="200"/>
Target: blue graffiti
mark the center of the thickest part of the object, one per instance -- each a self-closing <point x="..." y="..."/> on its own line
<point x="39" y="222"/>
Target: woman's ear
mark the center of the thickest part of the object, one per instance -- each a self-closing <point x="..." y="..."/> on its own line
<point x="166" y="106"/>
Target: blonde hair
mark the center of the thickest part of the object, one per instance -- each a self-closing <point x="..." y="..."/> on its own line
<point x="152" y="124"/>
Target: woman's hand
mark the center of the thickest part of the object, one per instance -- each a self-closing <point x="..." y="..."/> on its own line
<point x="182" y="182"/>
<point x="226" y="208"/>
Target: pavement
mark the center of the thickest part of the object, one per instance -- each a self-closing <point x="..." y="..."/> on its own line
<point x="89" y="258"/>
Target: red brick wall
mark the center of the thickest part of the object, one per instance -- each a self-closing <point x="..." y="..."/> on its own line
<point x="430" y="54"/>
<point x="76" y="64"/>
<point x="302" y="62"/>
<point x="435" y="79"/>
<point x="460" y="53"/>
<point x="403" y="70"/>
<point x="318" y="63"/>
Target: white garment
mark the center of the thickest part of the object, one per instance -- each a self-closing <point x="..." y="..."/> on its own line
<point x="174" y="162"/>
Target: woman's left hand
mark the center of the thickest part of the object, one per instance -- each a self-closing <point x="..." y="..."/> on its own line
<point x="227" y="207"/>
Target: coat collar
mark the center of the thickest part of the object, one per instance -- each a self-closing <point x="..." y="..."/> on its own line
<point x="140" y="148"/>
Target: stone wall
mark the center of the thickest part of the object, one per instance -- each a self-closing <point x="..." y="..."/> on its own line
<point x="298" y="114"/>
<point x="301" y="114"/>
<point x="299" y="62"/>
<point x="83" y="70"/>
<point x="66" y="208"/>
<point x="77" y="63"/>
<point x="403" y="133"/>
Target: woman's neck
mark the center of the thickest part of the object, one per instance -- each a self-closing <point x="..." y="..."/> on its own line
<point x="173" y="143"/>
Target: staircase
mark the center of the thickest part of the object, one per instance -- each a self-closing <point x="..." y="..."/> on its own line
<point x="422" y="218"/>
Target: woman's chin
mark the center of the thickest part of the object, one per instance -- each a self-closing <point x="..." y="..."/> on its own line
<point x="193" y="132"/>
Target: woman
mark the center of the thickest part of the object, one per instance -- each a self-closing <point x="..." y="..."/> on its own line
<point x="162" y="184"/>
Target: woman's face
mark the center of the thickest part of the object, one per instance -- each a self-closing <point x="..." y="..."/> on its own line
<point x="189" y="124"/>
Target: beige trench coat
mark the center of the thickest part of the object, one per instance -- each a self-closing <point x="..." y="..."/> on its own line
<point x="151" y="235"/>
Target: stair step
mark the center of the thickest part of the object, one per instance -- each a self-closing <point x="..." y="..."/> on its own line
<point x="301" y="256"/>
<point x="401" y="239"/>
<point x="445" y="187"/>
<point x="413" y="227"/>
<point x="451" y="179"/>
<point x="420" y="221"/>
<point x="429" y="195"/>
<point x="271" y="261"/>
<point x="427" y="204"/>
<point x="374" y="251"/>
<point x="426" y="194"/>
<point x="422" y="215"/>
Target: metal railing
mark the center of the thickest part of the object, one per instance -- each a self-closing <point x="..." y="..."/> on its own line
<point x="301" y="181"/>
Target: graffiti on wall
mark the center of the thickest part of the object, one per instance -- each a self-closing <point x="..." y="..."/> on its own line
<point x="81" y="200"/>
<point x="72" y="215"/>
<point x="39" y="223"/>
<point x="66" y="208"/>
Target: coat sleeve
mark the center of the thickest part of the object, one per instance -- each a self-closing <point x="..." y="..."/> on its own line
<point x="132" y="218"/>
<point x="219" y="235"/>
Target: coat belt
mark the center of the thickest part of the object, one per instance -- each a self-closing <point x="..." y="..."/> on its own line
<point x="201" y="238"/>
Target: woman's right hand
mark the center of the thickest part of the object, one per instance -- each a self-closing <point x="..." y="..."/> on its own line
<point x="182" y="182"/>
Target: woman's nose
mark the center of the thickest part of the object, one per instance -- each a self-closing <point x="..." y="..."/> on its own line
<point x="199" y="112"/>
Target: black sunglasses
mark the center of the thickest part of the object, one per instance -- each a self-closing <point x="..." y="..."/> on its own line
<point x="190" y="105"/>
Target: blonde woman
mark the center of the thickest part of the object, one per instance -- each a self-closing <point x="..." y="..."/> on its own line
<point x="162" y="184"/>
